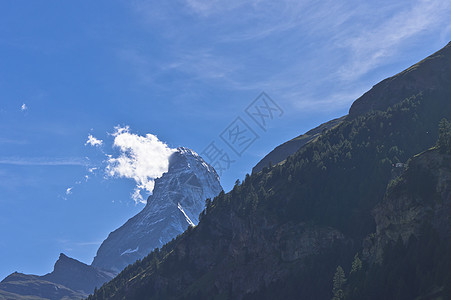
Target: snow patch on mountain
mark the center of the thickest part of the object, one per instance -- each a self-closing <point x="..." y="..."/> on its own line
<point x="186" y="217"/>
<point x="130" y="251"/>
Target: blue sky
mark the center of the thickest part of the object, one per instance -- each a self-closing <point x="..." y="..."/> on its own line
<point x="181" y="70"/>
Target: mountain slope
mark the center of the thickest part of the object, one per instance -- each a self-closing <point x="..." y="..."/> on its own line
<point x="178" y="198"/>
<point x="11" y="296"/>
<point x="281" y="152"/>
<point x="263" y="240"/>
<point x="431" y="74"/>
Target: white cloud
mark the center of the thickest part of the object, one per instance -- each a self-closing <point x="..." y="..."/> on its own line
<point x="141" y="158"/>
<point x="93" y="141"/>
<point x="24" y="107"/>
<point x="69" y="190"/>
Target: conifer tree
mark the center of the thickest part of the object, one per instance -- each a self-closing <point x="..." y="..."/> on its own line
<point x="444" y="137"/>
<point x="338" y="283"/>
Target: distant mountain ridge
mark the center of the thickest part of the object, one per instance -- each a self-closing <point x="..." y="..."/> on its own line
<point x="76" y="275"/>
<point x="70" y="279"/>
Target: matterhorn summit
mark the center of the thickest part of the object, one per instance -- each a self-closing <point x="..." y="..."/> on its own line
<point x="177" y="200"/>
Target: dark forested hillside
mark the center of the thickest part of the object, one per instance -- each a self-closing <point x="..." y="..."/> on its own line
<point x="408" y="257"/>
<point x="281" y="152"/>
<point x="281" y="233"/>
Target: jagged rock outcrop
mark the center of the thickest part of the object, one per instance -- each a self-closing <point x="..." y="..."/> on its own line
<point x="241" y="255"/>
<point x="76" y="275"/>
<point x="177" y="200"/>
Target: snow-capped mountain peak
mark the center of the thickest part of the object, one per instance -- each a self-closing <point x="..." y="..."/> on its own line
<point x="177" y="200"/>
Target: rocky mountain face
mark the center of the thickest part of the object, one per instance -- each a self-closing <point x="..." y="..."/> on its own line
<point x="177" y="200"/>
<point x="282" y="232"/>
<point x="70" y="279"/>
<point x="422" y="194"/>
<point x="407" y="257"/>
<point x="281" y="152"/>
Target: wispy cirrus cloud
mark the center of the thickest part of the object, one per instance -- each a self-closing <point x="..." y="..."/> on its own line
<point x="43" y="161"/>
<point x="372" y="46"/>
<point x="69" y="245"/>
<point x="289" y="48"/>
<point x="212" y="7"/>
<point x="13" y="141"/>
